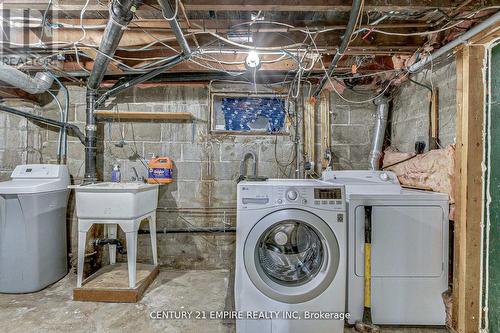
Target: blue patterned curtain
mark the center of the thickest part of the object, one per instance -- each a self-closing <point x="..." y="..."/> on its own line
<point x="252" y="113"/>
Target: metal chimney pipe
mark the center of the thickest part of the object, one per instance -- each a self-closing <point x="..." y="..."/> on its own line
<point x="379" y="132"/>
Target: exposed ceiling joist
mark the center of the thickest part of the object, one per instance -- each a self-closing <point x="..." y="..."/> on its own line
<point x="315" y="5"/>
<point x="251" y="5"/>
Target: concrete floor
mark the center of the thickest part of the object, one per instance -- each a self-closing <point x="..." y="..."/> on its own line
<point x="53" y="310"/>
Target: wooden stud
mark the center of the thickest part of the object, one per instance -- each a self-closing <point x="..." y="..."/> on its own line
<point x="309" y="129"/>
<point x="434" y="117"/>
<point x="468" y="219"/>
<point x="324" y="111"/>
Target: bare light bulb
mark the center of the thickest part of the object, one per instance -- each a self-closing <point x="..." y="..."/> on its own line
<point x="252" y="60"/>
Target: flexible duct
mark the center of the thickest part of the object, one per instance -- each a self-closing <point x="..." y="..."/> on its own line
<point x="379" y="132"/>
<point x="33" y="85"/>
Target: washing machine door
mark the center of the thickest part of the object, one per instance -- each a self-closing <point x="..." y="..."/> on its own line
<point x="291" y="255"/>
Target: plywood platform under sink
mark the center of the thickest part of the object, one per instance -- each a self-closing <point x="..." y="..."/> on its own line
<point x="110" y="284"/>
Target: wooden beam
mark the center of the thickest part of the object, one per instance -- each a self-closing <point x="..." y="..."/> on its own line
<point x="250" y="5"/>
<point x="225" y="25"/>
<point x="469" y="213"/>
<point x="315" y="5"/>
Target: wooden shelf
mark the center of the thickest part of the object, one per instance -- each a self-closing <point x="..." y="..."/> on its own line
<point x="178" y="116"/>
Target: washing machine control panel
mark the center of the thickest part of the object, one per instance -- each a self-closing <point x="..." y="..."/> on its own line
<point x="319" y="197"/>
<point x="310" y="194"/>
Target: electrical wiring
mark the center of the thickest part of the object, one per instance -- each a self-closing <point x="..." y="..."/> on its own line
<point x="82" y="13"/>
<point x="215" y="69"/>
<point x="358" y="23"/>
<point x="355" y="76"/>
<point x="166" y="59"/>
<point x="44" y="20"/>
<point x="175" y="12"/>
<point x="155" y="38"/>
<point x="61" y="118"/>
<point x="65" y="118"/>
<point x="424" y="33"/>
<point x="340" y="95"/>
<point x="243" y="46"/>
<point x="280" y="58"/>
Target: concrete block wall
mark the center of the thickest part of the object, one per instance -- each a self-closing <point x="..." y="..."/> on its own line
<point x="352" y="128"/>
<point x="19" y="139"/>
<point x="206" y="165"/>
<point x="410" y="108"/>
<point x="205" y="171"/>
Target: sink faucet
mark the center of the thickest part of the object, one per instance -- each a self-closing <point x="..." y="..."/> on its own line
<point x="136" y="178"/>
<point x="243" y="170"/>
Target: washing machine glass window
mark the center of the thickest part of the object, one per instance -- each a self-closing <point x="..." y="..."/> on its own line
<point x="291" y="255"/>
<point x="290" y="252"/>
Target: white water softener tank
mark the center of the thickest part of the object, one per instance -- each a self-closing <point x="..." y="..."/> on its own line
<point x="33" y="251"/>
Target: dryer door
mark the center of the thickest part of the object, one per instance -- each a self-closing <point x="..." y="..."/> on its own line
<point x="291" y="255"/>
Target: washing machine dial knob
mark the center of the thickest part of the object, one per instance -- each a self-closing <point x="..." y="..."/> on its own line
<point x="292" y="195"/>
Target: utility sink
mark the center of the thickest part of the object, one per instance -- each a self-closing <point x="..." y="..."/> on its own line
<point x="115" y="201"/>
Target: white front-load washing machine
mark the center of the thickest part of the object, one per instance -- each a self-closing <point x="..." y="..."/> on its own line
<point x="290" y="257"/>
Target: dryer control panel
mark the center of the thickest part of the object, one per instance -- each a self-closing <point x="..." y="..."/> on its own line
<point x="314" y="194"/>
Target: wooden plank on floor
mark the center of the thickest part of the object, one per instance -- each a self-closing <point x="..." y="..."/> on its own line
<point x="110" y="284"/>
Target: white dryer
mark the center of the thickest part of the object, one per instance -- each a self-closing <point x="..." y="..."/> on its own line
<point x="290" y="256"/>
<point x="409" y="248"/>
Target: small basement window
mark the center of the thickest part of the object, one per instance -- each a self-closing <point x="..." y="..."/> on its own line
<point x="248" y="114"/>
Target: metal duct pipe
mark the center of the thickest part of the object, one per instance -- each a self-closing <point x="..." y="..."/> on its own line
<point x="494" y="19"/>
<point x="379" y="132"/>
<point x="169" y="12"/>
<point x="73" y="128"/>
<point x="91" y="139"/>
<point x="120" y="15"/>
<point x="33" y="85"/>
<point x="351" y="24"/>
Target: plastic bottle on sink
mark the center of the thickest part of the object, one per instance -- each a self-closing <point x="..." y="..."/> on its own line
<point x="116" y="175"/>
<point x="160" y="170"/>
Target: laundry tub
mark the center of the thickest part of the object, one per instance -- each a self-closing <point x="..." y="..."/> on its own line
<point x="33" y="252"/>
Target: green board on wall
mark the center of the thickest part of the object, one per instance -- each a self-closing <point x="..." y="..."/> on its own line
<point x="494" y="190"/>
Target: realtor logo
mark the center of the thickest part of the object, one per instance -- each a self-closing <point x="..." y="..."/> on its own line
<point x="23" y="29"/>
